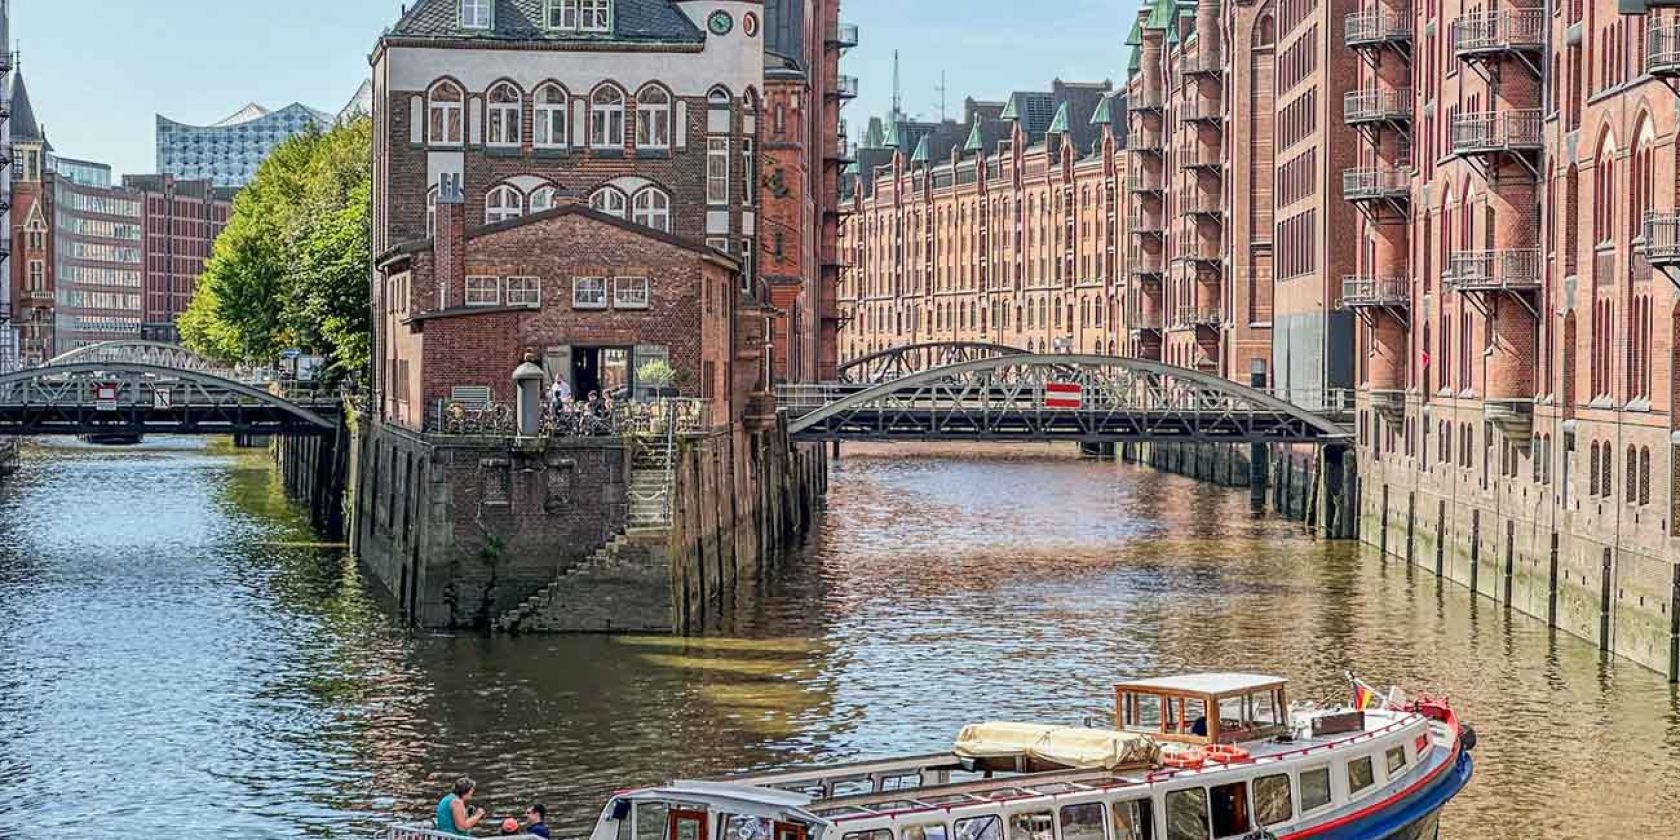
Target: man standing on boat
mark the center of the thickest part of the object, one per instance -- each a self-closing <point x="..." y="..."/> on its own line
<point x="454" y="813"/>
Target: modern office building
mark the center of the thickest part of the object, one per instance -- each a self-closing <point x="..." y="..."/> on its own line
<point x="85" y="172"/>
<point x="228" y="153"/>
<point x="182" y="221"/>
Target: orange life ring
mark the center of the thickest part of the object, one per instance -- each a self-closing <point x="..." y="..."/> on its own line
<point x="1184" y="759"/>
<point x="1228" y="753"/>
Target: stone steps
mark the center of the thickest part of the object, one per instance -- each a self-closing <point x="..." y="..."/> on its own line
<point x="605" y="571"/>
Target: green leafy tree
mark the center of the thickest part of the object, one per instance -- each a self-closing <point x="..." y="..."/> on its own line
<point x="291" y="269"/>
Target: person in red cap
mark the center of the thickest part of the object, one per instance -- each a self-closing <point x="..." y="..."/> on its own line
<point x="510" y="827"/>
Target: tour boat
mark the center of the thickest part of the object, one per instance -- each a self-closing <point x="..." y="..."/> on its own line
<point x="1194" y="757"/>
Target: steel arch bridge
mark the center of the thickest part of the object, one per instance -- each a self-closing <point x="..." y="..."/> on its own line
<point x="1048" y="397"/>
<point x="898" y="362"/>
<point x="92" y="397"/>
<point x="155" y="353"/>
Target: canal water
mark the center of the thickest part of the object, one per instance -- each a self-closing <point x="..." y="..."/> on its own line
<point x="179" y="657"/>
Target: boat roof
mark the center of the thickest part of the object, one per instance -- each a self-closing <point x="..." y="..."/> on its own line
<point x="745" y="798"/>
<point x="1209" y="683"/>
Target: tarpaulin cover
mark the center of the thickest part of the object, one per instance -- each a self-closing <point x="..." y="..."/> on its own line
<point x="1069" y="746"/>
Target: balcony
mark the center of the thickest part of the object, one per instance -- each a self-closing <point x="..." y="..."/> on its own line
<point x="1198" y="253"/>
<point x="1201" y="109"/>
<point x="1662" y="238"/>
<point x="1500" y="270"/>
<point x="1196" y="66"/>
<point x="1496" y="33"/>
<point x="1379" y="28"/>
<point x="1146" y="266"/>
<point x="1144" y="140"/>
<point x="1492" y="132"/>
<point x="1145" y="181"/>
<point x="1374" y="184"/>
<point x="1200" y="202"/>
<point x="844" y="88"/>
<point x="1191" y="317"/>
<point x="1145" y="224"/>
<point x="1198" y="156"/>
<point x="1390" y="404"/>
<point x="1662" y="50"/>
<point x="1363" y="292"/>
<point x="1377" y="105"/>
<point x="1143" y="321"/>
<point x="1148" y="100"/>
<point x="842" y="35"/>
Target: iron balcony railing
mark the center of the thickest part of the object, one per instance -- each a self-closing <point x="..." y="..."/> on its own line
<point x="1503" y="269"/>
<point x="1201" y="109"/>
<point x="1137" y="321"/>
<point x="1145" y="265"/>
<point x="1662" y="237"/>
<point x="1146" y="100"/>
<point x="843" y="35"/>
<point x="1200" y="65"/>
<point x="1196" y="316"/>
<point x="1360" y="291"/>
<point x="1142" y="180"/>
<point x="1195" y="201"/>
<point x="845" y="87"/>
<point x="1496" y="131"/>
<point x="1377" y="105"/>
<point x="1144" y="140"/>
<point x="1196" y="155"/>
<point x="1662" y="48"/>
<point x="1146" y="224"/>
<point x="1376" y="28"/>
<point x="1503" y="30"/>
<point x="1368" y="183"/>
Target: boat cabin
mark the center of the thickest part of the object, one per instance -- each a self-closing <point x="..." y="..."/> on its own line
<point x="692" y="810"/>
<point x="1203" y="708"/>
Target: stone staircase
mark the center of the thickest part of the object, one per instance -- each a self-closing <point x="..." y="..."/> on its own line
<point x="623" y="587"/>
<point x="651" y="483"/>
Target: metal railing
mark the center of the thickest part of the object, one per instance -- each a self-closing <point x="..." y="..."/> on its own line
<point x="845" y="87"/>
<point x="1662" y="237"/>
<point x="1366" y="182"/>
<point x="1201" y="109"/>
<point x="1361" y="291"/>
<point x="1143" y="320"/>
<point x="1499" y="31"/>
<point x="424" y="831"/>
<point x="1493" y="131"/>
<point x="1145" y="264"/>
<point x="1197" y="155"/>
<point x="1145" y="224"/>
<point x="1148" y="100"/>
<point x="1503" y="269"/>
<point x="1200" y="65"/>
<point x="1662" y="48"/>
<point x="1377" y="105"/>
<point x="1331" y="402"/>
<point x="1196" y="201"/>
<point x="1375" y="28"/>
<point x="572" y="419"/>
<point x="1197" y="316"/>
<point x="843" y="35"/>
<point x="1142" y="180"/>
<point x="1144" y="140"/>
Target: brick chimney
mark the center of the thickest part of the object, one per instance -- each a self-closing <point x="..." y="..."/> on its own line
<point x="449" y="242"/>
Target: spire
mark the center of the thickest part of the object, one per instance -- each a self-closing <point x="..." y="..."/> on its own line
<point x="874" y="137"/>
<point x="921" y="155"/>
<point x="1101" y="115"/>
<point x="894" y="139"/>
<point x="25" y="128"/>
<point x="975" y="142"/>
<point x="1059" y="123"/>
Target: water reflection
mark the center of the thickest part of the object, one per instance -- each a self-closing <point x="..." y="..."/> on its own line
<point x="168" y="634"/>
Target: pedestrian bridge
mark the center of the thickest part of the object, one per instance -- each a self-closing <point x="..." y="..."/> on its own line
<point x="1005" y="394"/>
<point x="144" y="387"/>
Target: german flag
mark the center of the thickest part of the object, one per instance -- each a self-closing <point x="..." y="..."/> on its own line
<point x="1364" y="696"/>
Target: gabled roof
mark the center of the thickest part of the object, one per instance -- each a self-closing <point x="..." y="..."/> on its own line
<point x="636" y="21"/>
<point x="572" y="209"/>
<point x="25" y="128"/>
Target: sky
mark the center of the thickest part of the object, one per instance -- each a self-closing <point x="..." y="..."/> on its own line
<point x="98" y="71"/>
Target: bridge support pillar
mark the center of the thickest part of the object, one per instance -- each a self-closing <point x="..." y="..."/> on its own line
<point x="1338" y="483"/>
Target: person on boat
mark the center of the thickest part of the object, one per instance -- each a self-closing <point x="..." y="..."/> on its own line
<point x="536" y="820"/>
<point x="1199" y="727"/>
<point x="455" y="813"/>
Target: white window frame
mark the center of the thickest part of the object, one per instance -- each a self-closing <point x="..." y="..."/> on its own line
<point x="717" y="170"/>
<point x="718" y="243"/>
<point x="544" y="195"/>
<point x="749" y="172"/>
<point x="37" y="275"/>
<point x="502" y="119"/>
<point x="589" y="293"/>
<point x="431" y="212"/>
<point x="594" y="15"/>
<point x="483" y="290"/>
<point x="524" y="291"/>
<point x="478" y="14"/>
<point x="632" y="293"/>
<point x="606" y="119"/>
<point x="651" y="208"/>
<point x="441" y="114"/>
<point x="747" y="255"/>
<point x="549" y="121"/>
<point x="501" y="211"/>
<point x="611" y="201"/>
<point x="653" y="118"/>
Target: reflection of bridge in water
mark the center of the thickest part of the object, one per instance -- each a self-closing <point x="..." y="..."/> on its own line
<point x="138" y="388"/>
<point x="971" y="391"/>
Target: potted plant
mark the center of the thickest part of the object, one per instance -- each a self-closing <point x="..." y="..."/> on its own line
<point x="657" y="378"/>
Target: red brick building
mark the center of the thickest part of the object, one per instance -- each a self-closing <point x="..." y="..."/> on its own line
<point x="461" y="311"/>
<point x="181" y="222"/>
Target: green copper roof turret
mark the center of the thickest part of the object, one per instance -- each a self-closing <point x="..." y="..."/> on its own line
<point x="974" y="142"/>
<point x="921" y="155"/>
<point x="1059" y="123"/>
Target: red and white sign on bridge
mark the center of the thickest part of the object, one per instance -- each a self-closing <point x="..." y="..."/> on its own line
<point x="1063" y="395"/>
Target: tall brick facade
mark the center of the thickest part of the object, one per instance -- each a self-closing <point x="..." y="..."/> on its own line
<point x="181" y="222"/>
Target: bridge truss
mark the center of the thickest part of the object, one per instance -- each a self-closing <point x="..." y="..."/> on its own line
<point x="899" y="362"/>
<point x="135" y="398"/>
<point x="1047" y="397"/>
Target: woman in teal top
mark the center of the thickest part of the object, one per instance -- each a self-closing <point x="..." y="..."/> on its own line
<point x="454" y="815"/>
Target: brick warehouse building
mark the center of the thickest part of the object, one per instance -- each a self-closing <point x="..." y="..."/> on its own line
<point x="181" y="222"/>
<point x="1420" y="202"/>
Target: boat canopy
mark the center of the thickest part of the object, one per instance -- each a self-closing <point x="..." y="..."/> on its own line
<point x="1029" y="747"/>
<point x="1203" y="708"/>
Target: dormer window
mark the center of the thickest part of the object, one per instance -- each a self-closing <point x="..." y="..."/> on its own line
<point x="579" y="15"/>
<point x="475" y="14"/>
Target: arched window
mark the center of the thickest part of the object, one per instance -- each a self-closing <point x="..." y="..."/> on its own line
<point x="549" y="129"/>
<point x="543" y="198"/>
<point x="609" y="200"/>
<point x="652" y="208"/>
<point x="606" y="118"/>
<point x="443" y="109"/>
<point x="1632" y="476"/>
<point x="504" y="104"/>
<point x="717" y="97"/>
<point x="1640" y="176"/>
<point x="1604" y="191"/>
<point x="1644" y="475"/>
<point x="653" y="118"/>
<point x="431" y="212"/>
<point x="503" y="202"/>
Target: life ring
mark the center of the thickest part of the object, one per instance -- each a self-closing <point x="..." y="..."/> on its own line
<point x="1184" y="759"/>
<point x="1226" y="753"/>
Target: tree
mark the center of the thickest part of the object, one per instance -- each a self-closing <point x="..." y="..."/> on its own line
<point x="291" y="269"/>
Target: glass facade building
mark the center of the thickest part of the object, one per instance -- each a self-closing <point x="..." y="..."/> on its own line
<point x="228" y="153"/>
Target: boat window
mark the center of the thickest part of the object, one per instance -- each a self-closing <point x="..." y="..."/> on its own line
<point x="1231" y="714"/>
<point x="1230" y="809"/>
<point x="1195" y="717"/>
<point x="1187" y="814"/>
<point x="924" y="831"/>
<point x="877" y="834"/>
<point x="1359" y="774"/>
<point x="896" y="805"/>
<point x="1134" y="820"/>
<point x="1265" y="709"/>
<point x="1271" y="800"/>
<point x="1396" y="760"/>
<point x="650" y="820"/>
<point x="749" y="828"/>
<point x="1033" y="825"/>
<point x="903" y="781"/>
<point x="980" y="828"/>
<point x="1083" y="821"/>
<point x="853" y="787"/>
<point x="1315" y="789"/>
<point x="1146" y="712"/>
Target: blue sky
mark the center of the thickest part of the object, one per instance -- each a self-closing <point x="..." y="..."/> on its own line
<point x="99" y="70"/>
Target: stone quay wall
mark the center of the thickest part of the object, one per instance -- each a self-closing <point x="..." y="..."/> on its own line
<point x="481" y="532"/>
<point x="314" y="469"/>
<point x="1295" y="482"/>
